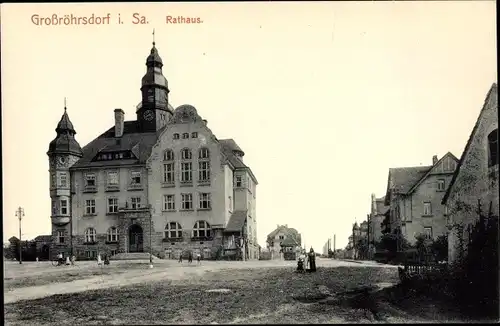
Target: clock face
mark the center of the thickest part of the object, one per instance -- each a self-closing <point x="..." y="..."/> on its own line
<point x="148" y="115"/>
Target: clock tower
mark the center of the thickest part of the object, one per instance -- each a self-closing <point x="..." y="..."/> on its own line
<point x="154" y="112"/>
<point x="64" y="151"/>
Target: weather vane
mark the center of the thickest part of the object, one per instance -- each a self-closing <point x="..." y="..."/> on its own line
<point x="153" y="36"/>
<point x="64" y="103"/>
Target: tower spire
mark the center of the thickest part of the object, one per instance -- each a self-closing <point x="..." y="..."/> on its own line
<point x="65" y="104"/>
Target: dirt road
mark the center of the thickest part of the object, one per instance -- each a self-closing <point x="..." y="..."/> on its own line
<point x="140" y="273"/>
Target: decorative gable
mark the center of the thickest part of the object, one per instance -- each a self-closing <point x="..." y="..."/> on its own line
<point x="447" y="164"/>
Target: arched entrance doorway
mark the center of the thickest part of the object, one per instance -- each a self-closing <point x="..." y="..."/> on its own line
<point x="135" y="239"/>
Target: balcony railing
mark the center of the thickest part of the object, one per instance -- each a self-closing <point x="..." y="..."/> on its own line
<point x="204" y="182"/>
<point x="205" y="238"/>
<point x="172" y="239"/>
<point x="129" y="207"/>
<point x="135" y="186"/>
<point x="169" y="184"/>
<point x="186" y="183"/>
<point x="90" y="188"/>
<point x="112" y="187"/>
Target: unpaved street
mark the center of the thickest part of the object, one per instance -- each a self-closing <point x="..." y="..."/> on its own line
<point x="122" y="273"/>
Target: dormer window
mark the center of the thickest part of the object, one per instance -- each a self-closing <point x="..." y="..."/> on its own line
<point x="185" y="135"/>
<point x="194" y="135"/>
<point x="176" y="136"/>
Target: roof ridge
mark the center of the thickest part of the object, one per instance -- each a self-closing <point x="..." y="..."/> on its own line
<point x="492" y="90"/>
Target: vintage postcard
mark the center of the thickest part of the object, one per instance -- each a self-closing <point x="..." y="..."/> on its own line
<point x="249" y="162"/>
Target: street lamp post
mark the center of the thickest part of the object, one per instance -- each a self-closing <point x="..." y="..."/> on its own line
<point x="150" y="236"/>
<point x="20" y="215"/>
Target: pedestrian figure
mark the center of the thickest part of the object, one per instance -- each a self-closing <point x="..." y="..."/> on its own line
<point x="106" y="260"/>
<point x="60" y="260"/>
<point x="198" y="258"/>
<point x="72" y="260"/>
<point x="190" y="257"/>
<point x="37" y="259"/>
<point x="180" y="257"/>
<point x="312" y="260"/>
<point x="99" y="260"/>
<point x="301" y="262"/>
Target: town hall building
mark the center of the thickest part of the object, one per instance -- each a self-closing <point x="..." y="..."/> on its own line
<point x="162" y="182"/>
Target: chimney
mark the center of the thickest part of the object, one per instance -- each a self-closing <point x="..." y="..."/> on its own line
<point x="204" y="122"/>
<point x="286" y="225"/>
<point x="434" y="159"/>
<point x="119" y="122"/>
<point x="374" y="204"/>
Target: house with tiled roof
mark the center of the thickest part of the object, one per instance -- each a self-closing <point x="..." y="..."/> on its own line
<point x="377" y="215"/>
<point x="161" y="182"/>
<point x="414" y="195"/>
<point x="475" y="181"/>
<point x="283" y="239"/>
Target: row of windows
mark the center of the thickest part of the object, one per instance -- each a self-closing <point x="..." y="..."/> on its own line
<point x="169" y="203"/>
<point x="172" y="230"/>
<point x="186" y="154"/>
<point x="427" y="210"/>
<point x="186" y="135"/>
<point x="115" y="156"/>
<point x="186" y="172"/>
<point x="186" y="175"/>
<point x="204" y="201"/>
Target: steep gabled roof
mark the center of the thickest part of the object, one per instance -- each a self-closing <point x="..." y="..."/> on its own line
<point x="403" y="179"/>
<point x="43" y="238"/>
<point x="449" y="154"/>
<point x="381" y="207"/>
<point x="138" y="143"/>
<point x="229" y="147"/>
<point x="492" y="92"/>
<point x="284" y="228"/>
<point x="236" y="221"/>
<point x="290" y="241"/>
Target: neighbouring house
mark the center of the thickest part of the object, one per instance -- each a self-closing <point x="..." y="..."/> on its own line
<point x="160" y="182"/>
<point x="414" y="197"/>
<point x="43" y="243"/>
<point x="283" y="239"/>
<point x="377" y="215"/>
<point x="475" y="181"/>
<point x="363" y="229"/>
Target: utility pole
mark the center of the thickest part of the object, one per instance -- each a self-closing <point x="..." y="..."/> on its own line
<point x="20" y="215"/>
<point x="353" y="243"/>
<point x="368" y="218"/>
<point x="150" y="236"/>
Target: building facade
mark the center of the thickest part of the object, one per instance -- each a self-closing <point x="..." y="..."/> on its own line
<point x="161" y="182"/>
<point x="475" y="181"/>
<point x="414" y="196"/>
<point x="283" y="239"/>
<point x="377" y="215"/>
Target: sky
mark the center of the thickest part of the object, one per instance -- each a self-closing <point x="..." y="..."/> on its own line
<point x="323" y="97"/>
